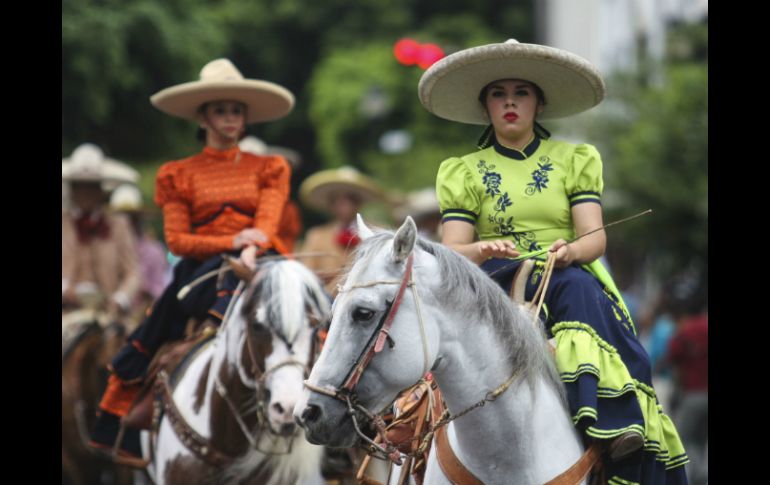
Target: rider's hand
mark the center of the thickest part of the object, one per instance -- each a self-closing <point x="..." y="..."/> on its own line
<point x="249" y="236"/>
<point x="249" y="257"/>
<point x="565" y="255"/>
<point x="501" y="248"/>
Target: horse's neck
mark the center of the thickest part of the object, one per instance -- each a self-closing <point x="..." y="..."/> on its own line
<point x="525" y="436"/>
<point x="224" y="430"/>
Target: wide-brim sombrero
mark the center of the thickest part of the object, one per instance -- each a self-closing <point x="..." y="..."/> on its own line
<point x="419" y="203"/>
<point x="254" y="145"/>
<point x="220" y="80"/>
<point x="88" y="164"/>
<point x="316" y="191"/>
<point x="450" y="88"/>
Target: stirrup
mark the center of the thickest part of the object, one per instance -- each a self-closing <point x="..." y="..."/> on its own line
<point x="121" y="457"/>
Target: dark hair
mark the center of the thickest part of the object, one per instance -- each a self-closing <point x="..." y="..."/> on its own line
<point x="200" y="135"/>
<point x="488" y="137"/>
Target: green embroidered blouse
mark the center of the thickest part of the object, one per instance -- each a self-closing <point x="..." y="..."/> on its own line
<point x="525" y="196"/>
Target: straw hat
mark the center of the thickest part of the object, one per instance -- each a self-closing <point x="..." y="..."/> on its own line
<point x="126" y="198"/>
<point x="419" y="203"/>
<point x="450" y="88"/>
<point x="221" y="80"/>
<point x="317" y="190"/>
<point x="254" y="145"/>
<point x="88" y="164"/>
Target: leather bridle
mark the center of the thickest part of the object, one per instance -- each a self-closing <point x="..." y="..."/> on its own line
<point x="346" y="391"/>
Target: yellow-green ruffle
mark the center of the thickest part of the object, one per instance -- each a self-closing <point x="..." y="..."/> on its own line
<point x="580" y="350"/>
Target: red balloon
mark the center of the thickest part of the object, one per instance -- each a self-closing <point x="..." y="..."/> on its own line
<point x="429" y="54"/>
<point x="407" y="52"/>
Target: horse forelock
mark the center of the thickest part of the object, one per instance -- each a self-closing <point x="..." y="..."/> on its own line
<point x="283" y="296"/>
<point x="463" y="286"/>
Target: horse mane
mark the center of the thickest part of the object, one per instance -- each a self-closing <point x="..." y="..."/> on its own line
<point x="272" y="298"/>
<point x="465" y="286"/>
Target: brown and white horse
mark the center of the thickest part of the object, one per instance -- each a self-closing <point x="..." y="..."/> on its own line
<point x="227" y="409"/>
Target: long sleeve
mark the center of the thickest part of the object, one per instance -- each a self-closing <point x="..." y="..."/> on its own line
<point x="128" y="259"/>
<point x="177" y="227"/>
<point x="274" y="192"/>
<point x="209" y="198"/>
<point x="68" y="252"/>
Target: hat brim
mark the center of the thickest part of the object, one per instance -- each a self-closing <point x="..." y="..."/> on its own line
<point x="317" y="190"/>
<point x="450" y="88"/>
<point x="265" y="101"/>
<point x="110" y="172"/>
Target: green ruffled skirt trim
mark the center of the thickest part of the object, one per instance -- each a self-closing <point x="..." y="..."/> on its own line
<point x="580" y="350"/>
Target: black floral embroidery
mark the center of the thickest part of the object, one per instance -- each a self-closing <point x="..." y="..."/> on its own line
<point x="491" y="180"/>
<point x="504" y="225"/>
<point x="540" y="176"/>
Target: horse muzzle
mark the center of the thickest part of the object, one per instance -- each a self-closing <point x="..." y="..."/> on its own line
<point x="325" y="421"/>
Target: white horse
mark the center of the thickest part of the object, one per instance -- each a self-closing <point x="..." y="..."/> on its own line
<point x="455" y="321"/>
<point x="231" y="419"/>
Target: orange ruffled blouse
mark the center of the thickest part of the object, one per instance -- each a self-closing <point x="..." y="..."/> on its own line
<point x="210" y="197"/>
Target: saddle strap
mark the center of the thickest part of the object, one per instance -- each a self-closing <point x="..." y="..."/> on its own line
<point x="196" y="443"/>
<point x="577" y="472"/>
<point x="452" y="467"/>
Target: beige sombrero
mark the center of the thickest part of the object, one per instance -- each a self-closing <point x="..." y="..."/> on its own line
<point x="317" y="190"/>
<point x="418" y="203"/>
<point x="88" y="164"/>
<point x="254" y="145"/>
<point x="221" y="80"/>
<point x="450" y="88"/>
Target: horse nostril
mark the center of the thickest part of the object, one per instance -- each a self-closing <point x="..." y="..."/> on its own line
<point x="311" y="413"/>
<point x="287" y="428"/>
<point x="278" y="408"/>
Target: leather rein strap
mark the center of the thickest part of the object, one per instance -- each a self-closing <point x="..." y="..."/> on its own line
<point x="376" y="345"/>
<point x="196" y="443"/>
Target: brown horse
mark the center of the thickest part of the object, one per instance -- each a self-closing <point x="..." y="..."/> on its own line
<point x="87" y="348"/>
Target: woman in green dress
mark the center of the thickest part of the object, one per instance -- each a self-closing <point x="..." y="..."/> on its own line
<point x="523" y="193"/>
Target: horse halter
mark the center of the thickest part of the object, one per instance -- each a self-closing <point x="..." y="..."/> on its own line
<point x="260" y="380"/>
<point x="346" y="391"/>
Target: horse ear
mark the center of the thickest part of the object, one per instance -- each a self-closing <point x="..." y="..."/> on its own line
<point x="363" y="231"/>
<point x="403" y="241"/>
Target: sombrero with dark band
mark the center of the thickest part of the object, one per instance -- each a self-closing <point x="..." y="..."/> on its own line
<point x="220" y="80"/>
<point x="450" y="88"/>
<point x="318" y="189"/>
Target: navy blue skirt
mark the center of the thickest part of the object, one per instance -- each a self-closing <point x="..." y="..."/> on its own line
<point x="604" y="368"/>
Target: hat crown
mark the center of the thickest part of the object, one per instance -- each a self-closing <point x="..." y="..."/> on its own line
<point x="126" y="197"/>
<point x="87" y="158"/>
<point x="254" y="145"/>
<point x="511" y="41"/>
<point x="220" y="70"/>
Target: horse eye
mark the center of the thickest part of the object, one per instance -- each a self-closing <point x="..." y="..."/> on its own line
<point x="362" y="314"/>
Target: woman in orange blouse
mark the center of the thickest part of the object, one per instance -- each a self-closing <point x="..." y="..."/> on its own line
<point x="222" y="200"/>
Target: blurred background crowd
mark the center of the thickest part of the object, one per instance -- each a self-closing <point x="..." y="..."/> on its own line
<point x="353" y="68"/>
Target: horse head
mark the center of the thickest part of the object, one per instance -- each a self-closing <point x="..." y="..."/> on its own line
<point x="377" y="312"/>
<point x="282" y="311"/>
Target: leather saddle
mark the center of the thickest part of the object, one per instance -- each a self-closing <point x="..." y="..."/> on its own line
<point x="168" y="357"/>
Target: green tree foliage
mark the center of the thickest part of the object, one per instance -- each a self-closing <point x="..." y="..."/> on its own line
<point x="115" y="54"/>
<point x="656" y="153"/>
